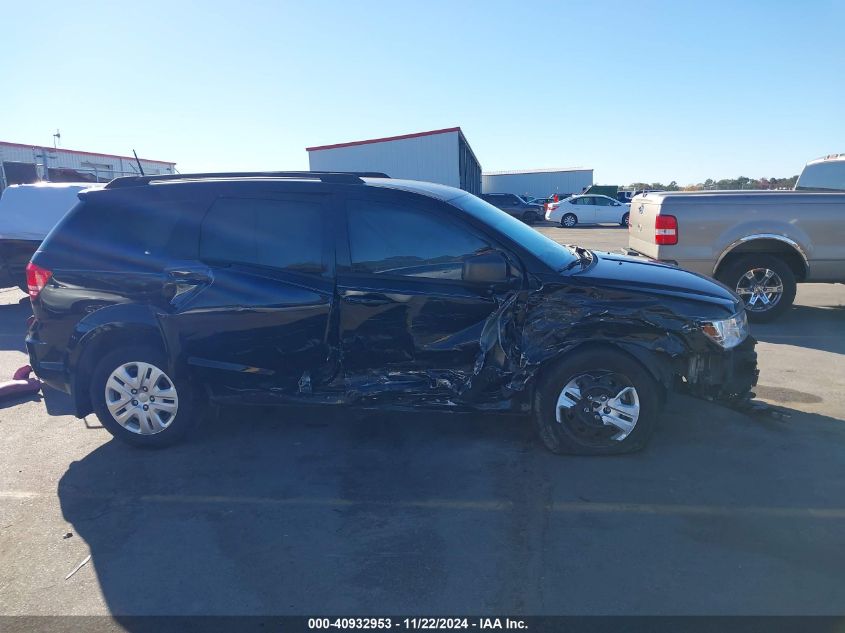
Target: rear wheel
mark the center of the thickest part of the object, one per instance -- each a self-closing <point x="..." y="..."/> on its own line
<point x="569" y="220"/>
<point x="765" y="284"/>
<point x="625" y="219"/>
<point x="529" y="217"/>
<point x="136" y="400"/>
<point x="596" y="402"/>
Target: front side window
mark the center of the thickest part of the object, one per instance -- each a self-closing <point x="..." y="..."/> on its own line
<point x="545" y="249"/>
<point x="385" y="238"/>
<point x="281" y="234"/>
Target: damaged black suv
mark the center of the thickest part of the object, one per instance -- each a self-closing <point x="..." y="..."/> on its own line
<point x="157" y="294"/>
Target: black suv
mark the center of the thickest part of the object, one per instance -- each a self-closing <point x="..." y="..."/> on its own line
<point x="528" y="212"/>
<point x="157" y="293"/>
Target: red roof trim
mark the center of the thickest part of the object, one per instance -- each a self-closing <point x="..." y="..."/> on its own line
<point x="75" y="151"/>
<point x="386" y="138"/>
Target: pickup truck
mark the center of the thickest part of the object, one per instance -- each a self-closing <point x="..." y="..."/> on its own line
<point x="760" y="244"/>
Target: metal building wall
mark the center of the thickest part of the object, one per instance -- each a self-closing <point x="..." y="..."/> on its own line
<point x="432" y="157"/>
<point x="470" y="168"/>
<point x="105" y="166"/>
<point x="537" y="183"/>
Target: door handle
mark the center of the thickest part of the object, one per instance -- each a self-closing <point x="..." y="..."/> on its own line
<point x="368" y="300"/>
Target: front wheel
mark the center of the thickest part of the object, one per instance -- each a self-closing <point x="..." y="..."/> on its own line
<point x="569" y="220"/>
<point x="625" y="220"/>
<point x="137" y="401"/>
<point x="765" y="284"/>
<point x="596" y="402"/>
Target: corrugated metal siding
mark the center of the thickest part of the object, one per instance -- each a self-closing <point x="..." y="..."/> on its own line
<point x="105" y="166"/>
<point x="470" y="169"/>
<point x="434" y="158"/>
<point x="538" y="184"/>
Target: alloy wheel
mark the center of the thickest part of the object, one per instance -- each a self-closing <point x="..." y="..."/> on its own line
<point x="760" y="289"/>
<point x="599" y="406"/>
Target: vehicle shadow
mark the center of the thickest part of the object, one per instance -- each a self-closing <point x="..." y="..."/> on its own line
<point x="815" y="327"/>
<point x="314" y="511"/>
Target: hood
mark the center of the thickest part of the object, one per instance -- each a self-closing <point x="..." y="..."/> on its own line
<point x="641" y="275"/>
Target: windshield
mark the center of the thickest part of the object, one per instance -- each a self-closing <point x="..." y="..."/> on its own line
<point x="546" y="250"/>
<point x="826" y="176"/>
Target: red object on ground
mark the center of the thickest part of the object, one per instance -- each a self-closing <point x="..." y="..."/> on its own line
<point x="20" y="384"/>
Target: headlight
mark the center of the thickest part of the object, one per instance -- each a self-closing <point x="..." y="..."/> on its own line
<point x="727" y="333"/>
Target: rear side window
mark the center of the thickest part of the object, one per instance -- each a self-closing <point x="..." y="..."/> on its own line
<point x="283" y="234"/>
<point x="391" y="240"/>
<point x="115" y="233"/>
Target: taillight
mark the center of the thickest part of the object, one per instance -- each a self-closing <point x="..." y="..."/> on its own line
<point x="36" y="279"/>
<point x="666" y="230"/>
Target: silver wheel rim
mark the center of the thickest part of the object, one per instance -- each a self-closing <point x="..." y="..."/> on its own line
<point x="141" y="398"/>
<point x="620" y="411"/>
<point x="568" y="221"/>
<point x="760" y="289"/>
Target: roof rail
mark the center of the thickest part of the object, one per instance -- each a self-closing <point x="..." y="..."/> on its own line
<point x="342" y="177"/>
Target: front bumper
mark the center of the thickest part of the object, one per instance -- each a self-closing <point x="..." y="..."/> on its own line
<point x="726" y="375"/>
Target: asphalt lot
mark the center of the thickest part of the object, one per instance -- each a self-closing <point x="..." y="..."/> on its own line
<point x="313" y="511"/>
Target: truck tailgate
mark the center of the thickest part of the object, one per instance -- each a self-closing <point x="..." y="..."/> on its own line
<point x="644" y="210"/>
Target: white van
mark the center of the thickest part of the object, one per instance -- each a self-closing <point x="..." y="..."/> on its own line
<point x="27" y="214"/>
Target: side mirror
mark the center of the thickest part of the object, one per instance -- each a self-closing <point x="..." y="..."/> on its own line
<point x="486" y="268"/>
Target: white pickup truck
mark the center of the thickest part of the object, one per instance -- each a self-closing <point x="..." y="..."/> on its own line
<point x="758" y="243"/>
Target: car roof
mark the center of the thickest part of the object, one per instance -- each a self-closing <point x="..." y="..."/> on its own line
<point x="55" y="185"/>
<point x="264" y="179"/>
<point x="431" y="189"/>
<point x="828" y="158"/>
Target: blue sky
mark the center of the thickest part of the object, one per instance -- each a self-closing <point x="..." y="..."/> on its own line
<point x="639" y="91"/>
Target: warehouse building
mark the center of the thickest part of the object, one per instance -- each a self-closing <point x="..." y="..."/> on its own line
<point x="537" y="183"/>
<point x="442" y="156"/>
<point x="21" y="164"/>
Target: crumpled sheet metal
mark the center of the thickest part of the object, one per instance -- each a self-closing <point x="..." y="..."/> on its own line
<point x="527" y="329"/>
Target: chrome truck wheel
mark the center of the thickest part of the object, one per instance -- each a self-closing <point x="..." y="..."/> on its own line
<point x="760" y="289"/>
<point x="765" y="283"/>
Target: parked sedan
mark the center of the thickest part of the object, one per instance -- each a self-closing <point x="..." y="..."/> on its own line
<point x="514" y="205"/>
<point x="589" y="209"/>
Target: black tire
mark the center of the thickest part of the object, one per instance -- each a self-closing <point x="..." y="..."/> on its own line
<point x="571" y="435"/>
<point x="182" y="422"/>
<point x="625" y="219"/>
<point x="529" y="217"/>
<point x="736" y="270"/>
<point x="563" y="220"/>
